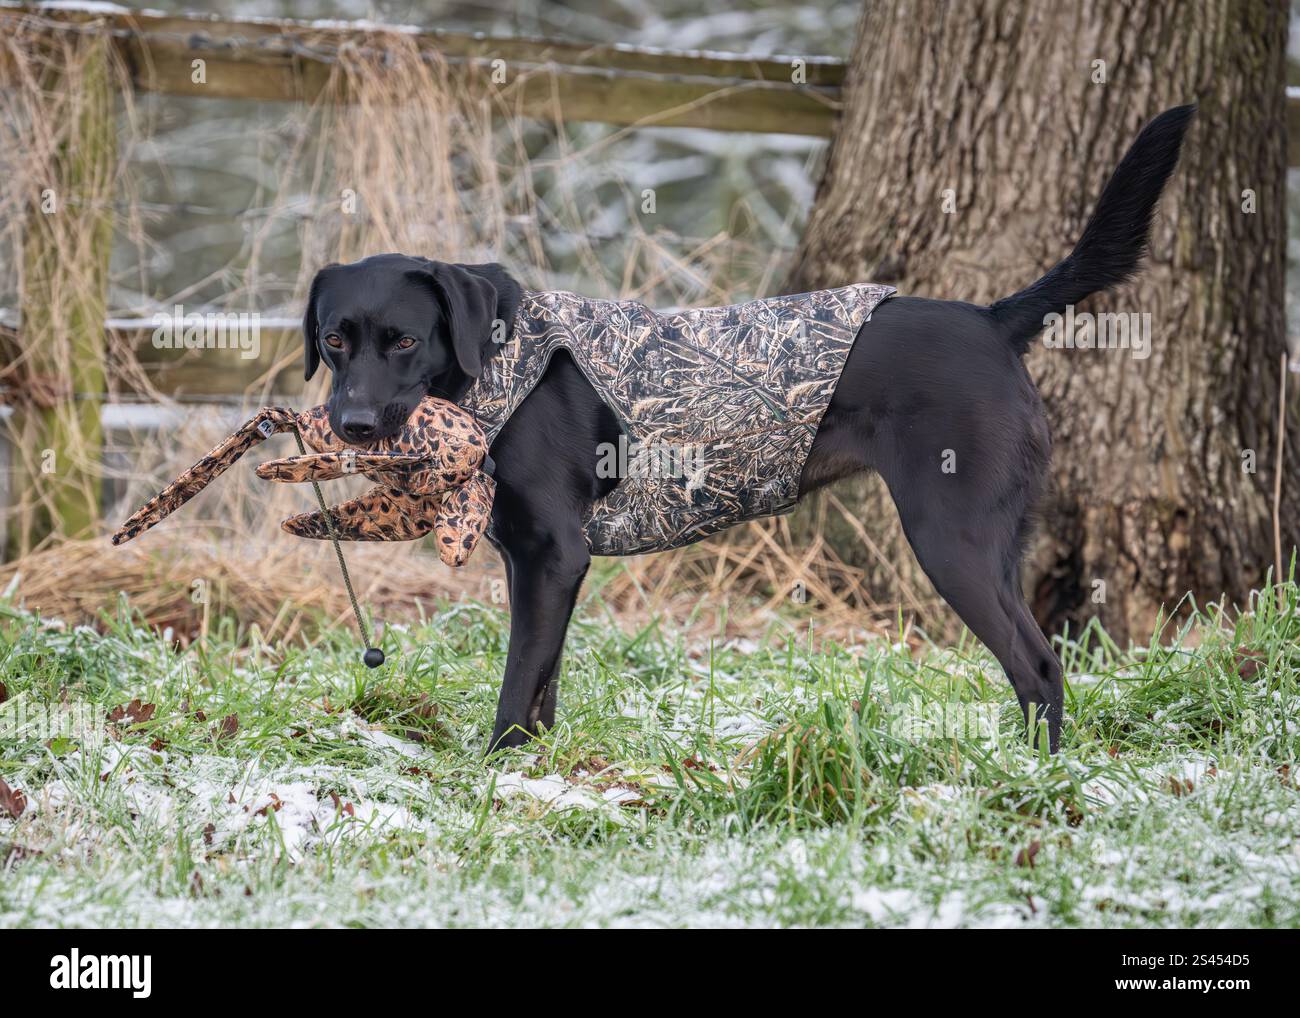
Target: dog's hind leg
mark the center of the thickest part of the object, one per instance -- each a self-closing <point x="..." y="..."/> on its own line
<point x="976" y="573"/>
<point x="967" y="530"/>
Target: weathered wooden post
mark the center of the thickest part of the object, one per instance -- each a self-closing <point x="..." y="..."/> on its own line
<point x="66" y="249"/>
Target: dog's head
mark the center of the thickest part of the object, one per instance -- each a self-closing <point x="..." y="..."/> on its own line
<point x="394" y="329"/>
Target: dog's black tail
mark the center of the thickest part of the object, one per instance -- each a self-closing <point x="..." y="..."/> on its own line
<point x="1115" y="238"/>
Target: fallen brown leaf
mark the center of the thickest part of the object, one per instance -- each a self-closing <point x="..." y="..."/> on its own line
<point x="12" y="801"/>
<point x="274" y="806"/>
<point x="692" y="764"/>
<point x="340" y="806"/>
<point x="1026" y="856"/>
<point x="1250" y="662"/>
<point x="134" y="713"/>
<point x="229" y="726"/>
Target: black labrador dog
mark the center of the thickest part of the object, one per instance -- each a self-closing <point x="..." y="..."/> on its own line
<point x="394" y="328"/>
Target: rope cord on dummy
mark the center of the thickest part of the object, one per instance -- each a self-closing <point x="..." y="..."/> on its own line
<point x="373" y="657"/>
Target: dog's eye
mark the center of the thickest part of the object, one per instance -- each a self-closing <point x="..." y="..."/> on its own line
<point x="406" y="342"/>
<point x="334" y="341"/>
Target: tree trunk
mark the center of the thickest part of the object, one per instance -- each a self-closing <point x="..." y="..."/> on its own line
<point x="1163" y="468"/>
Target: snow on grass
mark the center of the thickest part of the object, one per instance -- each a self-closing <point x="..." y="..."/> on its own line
<point x="758" y="785"/>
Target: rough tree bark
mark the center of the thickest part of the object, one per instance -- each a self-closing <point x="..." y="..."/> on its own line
<point x="1007" y="108"/>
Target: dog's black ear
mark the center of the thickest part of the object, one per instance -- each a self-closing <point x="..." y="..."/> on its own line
<point x="480" y="303"/>
<point x="311" y="327"/>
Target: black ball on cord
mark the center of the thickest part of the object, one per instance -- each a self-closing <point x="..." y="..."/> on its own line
<point x="374" y="657"/>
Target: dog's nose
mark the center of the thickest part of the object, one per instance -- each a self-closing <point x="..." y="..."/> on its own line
<point x="359" y="425"/>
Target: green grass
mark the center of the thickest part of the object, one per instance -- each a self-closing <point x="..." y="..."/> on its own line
<point x="684" y="784"/>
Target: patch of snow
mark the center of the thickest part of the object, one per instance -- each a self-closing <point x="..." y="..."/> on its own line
<point x="558" y="793"/>
<point x="886" y="906"/>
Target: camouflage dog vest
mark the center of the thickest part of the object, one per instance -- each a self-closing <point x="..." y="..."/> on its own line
<point x="719" y="406"/>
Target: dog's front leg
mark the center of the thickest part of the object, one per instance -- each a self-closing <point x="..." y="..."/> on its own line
<point x="545" y="575"/>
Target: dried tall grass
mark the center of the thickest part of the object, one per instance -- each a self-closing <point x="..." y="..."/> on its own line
<point x="186" y="588"/>
<point x="59" y="198"/>
<point x="432" y="171"/>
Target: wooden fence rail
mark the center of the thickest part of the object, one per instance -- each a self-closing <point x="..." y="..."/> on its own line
<point x="292" y="61"/>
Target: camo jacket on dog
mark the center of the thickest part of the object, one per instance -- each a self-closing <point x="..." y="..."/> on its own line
<point x="719" y="406"/>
